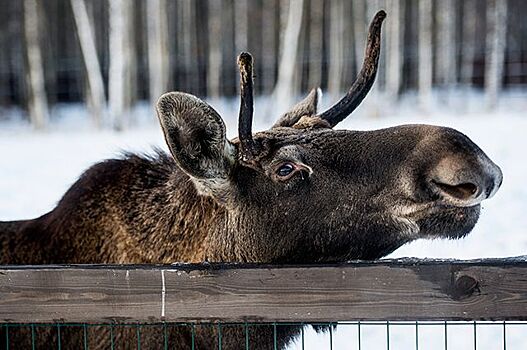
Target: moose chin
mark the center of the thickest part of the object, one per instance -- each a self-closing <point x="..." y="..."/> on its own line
<point x="299" y="192"/>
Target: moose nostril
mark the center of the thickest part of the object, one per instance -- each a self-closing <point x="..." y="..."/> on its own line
<point x="463" y="191"/>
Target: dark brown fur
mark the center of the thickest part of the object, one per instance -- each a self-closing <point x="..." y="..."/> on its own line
<point x="299" y="192"/>
<point x="108" y="212"/>
<point x="141" y="209"/>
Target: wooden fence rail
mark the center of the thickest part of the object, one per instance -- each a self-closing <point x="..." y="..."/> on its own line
<point x="405" y="289"/>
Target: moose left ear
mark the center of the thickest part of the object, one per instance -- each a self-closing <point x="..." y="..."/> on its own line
<point x="305" y="108"/>
<point x="195" y="134"/>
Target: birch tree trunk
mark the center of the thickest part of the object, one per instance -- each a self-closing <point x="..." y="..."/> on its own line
<point x="119" y="62"/>
<point x="230" y="73"/>
<point x="283" y="92"/>
<point x="348" y="47"/>
<point x="157" y="43"/>
<point x="130" y="54"/>
<point x="187" y="20"/>
<point x="18" y="61"/>
<point x="49" y="12"/>
<point x="446" y="40"/>
<point x="302" y="51"/>
<point x="182" y="51"/>
<point x="86" y="36"/>
<point x="425" y="53"/>
<point x="268" y="45"/>
<point x="214" y="59"/>
<point x="468" y="42"/>
<point x="394" y="54"/>
<point x="240" y="25"/>
<point x="336" y="48"/>
<point x="316" y="38"/>
<point x="38" y="104"/>
<point x="359" y="30"/>
<point x="495" y="50"/>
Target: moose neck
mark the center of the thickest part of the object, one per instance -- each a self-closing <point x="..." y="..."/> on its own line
<point x="180" y="229"/>
<point x="155" y="216"/>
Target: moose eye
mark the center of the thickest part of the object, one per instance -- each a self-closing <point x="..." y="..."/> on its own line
<point x="285" y="170"/>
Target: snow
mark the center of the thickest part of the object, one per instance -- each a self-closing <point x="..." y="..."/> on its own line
<point x="38" y="167"/>
<point x="431" y="336"/>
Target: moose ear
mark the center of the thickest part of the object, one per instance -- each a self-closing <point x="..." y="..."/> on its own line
<point x="305" y="108"/>
<point x="195" y="134"/>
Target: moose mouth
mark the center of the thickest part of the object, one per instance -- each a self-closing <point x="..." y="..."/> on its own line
<point x="448" y="221"/>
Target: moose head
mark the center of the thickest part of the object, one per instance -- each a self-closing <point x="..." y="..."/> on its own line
<point x="305" y="192"/>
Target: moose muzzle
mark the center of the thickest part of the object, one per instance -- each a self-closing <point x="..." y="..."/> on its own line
<point x="465" y="182"/>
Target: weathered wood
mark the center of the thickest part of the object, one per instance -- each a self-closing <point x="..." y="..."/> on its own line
<point x="407" y="289"/>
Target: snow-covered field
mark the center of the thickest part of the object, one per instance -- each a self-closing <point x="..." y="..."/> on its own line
<point x="37" y="167"/>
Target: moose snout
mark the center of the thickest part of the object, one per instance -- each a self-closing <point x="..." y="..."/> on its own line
<point x="463" y="182"/>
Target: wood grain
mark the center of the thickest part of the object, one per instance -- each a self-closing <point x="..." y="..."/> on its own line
<point x="407" y="289"/>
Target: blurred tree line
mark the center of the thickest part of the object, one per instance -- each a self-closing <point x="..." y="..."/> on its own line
<point x="113" y="53"/>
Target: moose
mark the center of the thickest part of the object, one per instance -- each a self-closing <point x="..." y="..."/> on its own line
<point x="300" y="192"/>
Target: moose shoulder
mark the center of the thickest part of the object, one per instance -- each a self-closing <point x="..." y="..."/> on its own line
<point x="300" y="192"/>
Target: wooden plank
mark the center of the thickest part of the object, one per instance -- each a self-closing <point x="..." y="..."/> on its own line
<point x="407" y="289"/>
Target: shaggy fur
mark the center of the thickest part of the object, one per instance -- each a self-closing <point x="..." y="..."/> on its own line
<point x="351" y="195"/>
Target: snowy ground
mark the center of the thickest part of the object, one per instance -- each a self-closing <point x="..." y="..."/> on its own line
<point x="36" y="168"/>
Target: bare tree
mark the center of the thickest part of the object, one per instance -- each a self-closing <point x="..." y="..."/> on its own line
<point x="468" y="42"/>
<point x="394" y="55"/>
<point x="303" y="46"/>
<point x="48" y="13"/>
<point x="91" y="60"/>
<point x="284" y="90"/>
<point x="336" y="55"/>
<point x="157" y="41"/>
<point x="214" y="61"/>
<point x="268" y="45"/>
<point x="229" y="72"/>
<point x="495" y="50"/>
<point x="348" y="46"/>
<point x="316" y="38"/>
<point x="240" y="25"/>
<point x="119" y="61"/>
<point x="186" y="45"/>
<point x="130" y="51"/>
<point x="38" y="105"/>
<point x="446" y="43"/>
<point x="425" y="53"/>
<point x="359" y="31"/>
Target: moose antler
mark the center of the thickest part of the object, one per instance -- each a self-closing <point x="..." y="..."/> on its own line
<point x="248" y="148"/>
<point x="362" y="85"/>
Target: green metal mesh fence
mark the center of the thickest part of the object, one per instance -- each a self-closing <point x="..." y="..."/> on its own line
<point x="359" y="335"/>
